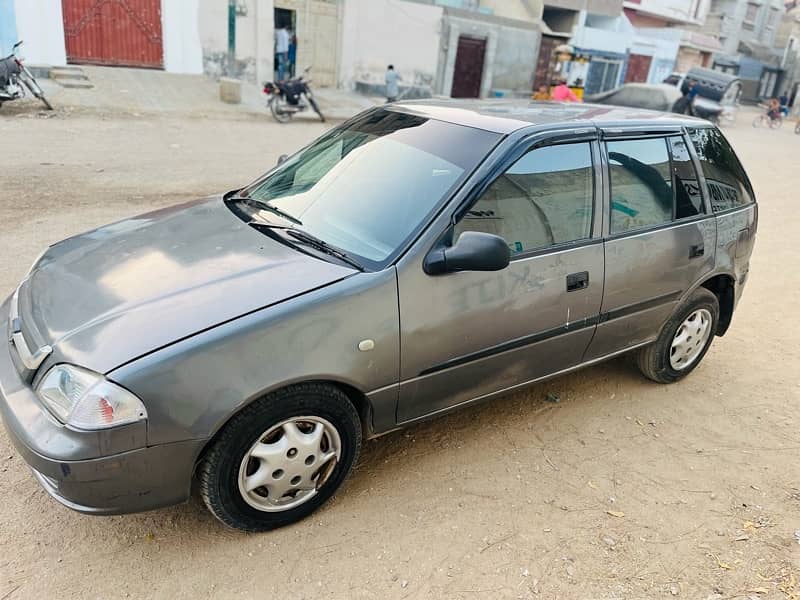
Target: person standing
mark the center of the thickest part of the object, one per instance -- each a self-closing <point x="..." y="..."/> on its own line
<point x="392" y="88"/>
<point x="562" y="93"/>
<point x="282" y="51"/>
<point x="783" y="100"/>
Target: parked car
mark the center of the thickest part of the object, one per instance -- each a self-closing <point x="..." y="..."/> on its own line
<point x="717" y="92"/>
<point x="416" y="259"/>
<point x="651" y="96"/>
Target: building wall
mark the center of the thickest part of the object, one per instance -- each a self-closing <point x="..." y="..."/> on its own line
<point x="183" y="52"/>
<point x="376" y="33"/>
<point x="512" y="48"/>
<point x="691" y="57"/>
<point x="603" y="34"/>
<point x="8" y="27"/>
<point x="662" y="45"/>
<point x="317" y="24"/>
<point x="41" y="25"/>
<point x="523" y="10"/>
<point x="254" y="48"/>
<point x="689" y="12"/>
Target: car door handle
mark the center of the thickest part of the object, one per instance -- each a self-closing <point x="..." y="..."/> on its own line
<point x="577" y="281"/>
<point x="696" y="250"/>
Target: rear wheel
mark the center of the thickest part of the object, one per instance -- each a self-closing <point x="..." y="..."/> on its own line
<point x="683" y="341"/>
<point x="280" y="458"/>
<point x="776" y="123"/>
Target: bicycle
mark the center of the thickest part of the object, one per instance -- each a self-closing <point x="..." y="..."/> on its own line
<point x="764" y="120"/>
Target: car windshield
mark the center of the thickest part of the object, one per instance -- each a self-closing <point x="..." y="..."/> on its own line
<point x="368" y="187"/>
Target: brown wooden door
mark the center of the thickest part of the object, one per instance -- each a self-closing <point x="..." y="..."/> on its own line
<point x="543" y="63"/>
<point x="468" y="70"/>
<point x="113" y="32"/>
<point x="638" y="68"/>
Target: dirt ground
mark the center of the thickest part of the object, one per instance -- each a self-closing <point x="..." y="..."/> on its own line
<point x="623" y="489"/>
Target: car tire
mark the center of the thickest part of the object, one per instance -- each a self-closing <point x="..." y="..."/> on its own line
<point x="226" y="470"/>
<point x="671" y="357"/>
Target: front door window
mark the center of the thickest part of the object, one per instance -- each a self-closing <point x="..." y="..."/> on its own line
<point x="543" y="199"/>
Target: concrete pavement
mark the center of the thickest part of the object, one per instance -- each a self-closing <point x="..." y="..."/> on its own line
<point x="117" y="89"/>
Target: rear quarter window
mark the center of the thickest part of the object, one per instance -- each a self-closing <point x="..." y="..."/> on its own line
<point x="728" y="186"/>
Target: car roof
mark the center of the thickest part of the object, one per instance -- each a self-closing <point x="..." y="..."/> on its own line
<point x="507" y="116"/>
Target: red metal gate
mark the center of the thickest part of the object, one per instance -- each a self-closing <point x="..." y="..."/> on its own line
<point x="638" y="68"/>
<point x="114" y="32"/>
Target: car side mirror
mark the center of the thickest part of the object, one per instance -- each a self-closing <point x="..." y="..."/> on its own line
<point x="473" y="251"/>
<point x="283" y="158"/>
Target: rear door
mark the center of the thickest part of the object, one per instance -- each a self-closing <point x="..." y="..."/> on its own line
<point x="466" y="335"/>
<point x="660" y="236"/>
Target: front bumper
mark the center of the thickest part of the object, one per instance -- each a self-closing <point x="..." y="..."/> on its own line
<point x="106" y="472"/>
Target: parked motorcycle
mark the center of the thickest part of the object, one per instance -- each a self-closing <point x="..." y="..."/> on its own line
<point x="15" y="77"/>
<point x="286" y="98"/>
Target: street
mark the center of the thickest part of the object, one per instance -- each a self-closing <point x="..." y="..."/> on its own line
<point x="621" y="489"/>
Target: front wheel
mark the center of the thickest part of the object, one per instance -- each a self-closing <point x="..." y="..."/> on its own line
<point x="31" y="83"/>
<point x="683" y="341"/>
<point x="314" y="105"/>
<point x="280" y="458"/>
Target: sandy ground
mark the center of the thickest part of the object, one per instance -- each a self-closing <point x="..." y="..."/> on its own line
<point x="623" y="489"/>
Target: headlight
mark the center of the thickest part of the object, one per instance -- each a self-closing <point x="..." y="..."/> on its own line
<point x="87" y="400"/>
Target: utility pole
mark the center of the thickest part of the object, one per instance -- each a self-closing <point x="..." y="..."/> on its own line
<point x="231" y="36"/>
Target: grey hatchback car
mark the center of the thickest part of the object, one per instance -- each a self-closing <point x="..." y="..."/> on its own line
<point x="417" y="258"/>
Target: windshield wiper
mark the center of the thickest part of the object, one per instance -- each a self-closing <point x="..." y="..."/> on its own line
<point x="323" y="246"/>
<point x="305" y="238"/>
<point x="263" y="204"/>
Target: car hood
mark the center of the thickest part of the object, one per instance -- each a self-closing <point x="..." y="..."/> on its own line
<point x="113" y="294"/>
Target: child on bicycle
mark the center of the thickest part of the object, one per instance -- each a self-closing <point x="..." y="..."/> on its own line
<point x="774" y="109"/>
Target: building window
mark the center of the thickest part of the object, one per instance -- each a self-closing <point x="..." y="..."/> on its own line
<point x="751" y="14"/>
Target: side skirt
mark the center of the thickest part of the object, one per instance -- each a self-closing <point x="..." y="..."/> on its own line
<point x="506" y="390"/>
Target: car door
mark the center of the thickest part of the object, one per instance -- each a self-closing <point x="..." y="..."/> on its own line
<point x="466" y="335"/>
<point x="660" y="237"/>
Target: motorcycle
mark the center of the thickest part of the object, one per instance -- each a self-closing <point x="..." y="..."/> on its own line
<point x="286" y="98"/>
<point x="15" y="77"/>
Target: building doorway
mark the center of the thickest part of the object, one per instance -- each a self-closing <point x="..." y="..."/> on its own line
<point x="544" y="62"/>
<point x="285" y="19"/>
<point x="114" y="32"/>
<point x="766" y="88"/>
<point x="638" y="68"/>
<point x="468" y="70"/>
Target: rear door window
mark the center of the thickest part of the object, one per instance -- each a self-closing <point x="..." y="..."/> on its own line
<point x="641" y="184"/>
<point x="727" y="183"/>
